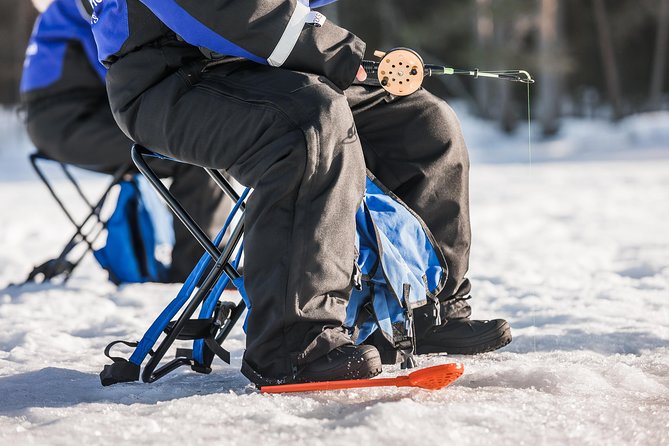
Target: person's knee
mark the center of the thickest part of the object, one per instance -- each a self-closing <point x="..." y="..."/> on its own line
<point x="439" y="123"/>
<point x="439" y="117"/>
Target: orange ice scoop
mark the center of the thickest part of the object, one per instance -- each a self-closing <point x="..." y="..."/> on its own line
<point x="431" y="378"/>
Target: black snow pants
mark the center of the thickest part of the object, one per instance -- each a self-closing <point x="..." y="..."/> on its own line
<point x="303" y="145"/>
<point x="78" y="128"/>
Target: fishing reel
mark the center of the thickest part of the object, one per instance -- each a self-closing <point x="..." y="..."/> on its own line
<point x="401" y="71"/>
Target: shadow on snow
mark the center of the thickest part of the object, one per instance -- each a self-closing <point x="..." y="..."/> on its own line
<point x="56" y="387"/>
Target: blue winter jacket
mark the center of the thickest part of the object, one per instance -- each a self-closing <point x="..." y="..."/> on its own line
<point x="61" y="54"/>
<point x="281" y="33"/>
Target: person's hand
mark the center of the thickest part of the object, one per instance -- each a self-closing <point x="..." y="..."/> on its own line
<point x="361" y="75"/>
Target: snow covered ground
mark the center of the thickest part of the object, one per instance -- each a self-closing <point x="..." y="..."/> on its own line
<point x="575" y="254"/>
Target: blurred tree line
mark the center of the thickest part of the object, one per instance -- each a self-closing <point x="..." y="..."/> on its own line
<point x="589" y="57"/>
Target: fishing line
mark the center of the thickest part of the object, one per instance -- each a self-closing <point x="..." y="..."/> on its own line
<point x="529" y="155"/>
<point x="529" y="128"/>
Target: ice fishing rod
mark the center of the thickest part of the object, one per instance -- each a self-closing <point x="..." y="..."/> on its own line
<point x="401" y="71"/>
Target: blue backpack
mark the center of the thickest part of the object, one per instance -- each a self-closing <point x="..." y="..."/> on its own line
<point x="140" y="236"/>
<point x="400" y="268"/>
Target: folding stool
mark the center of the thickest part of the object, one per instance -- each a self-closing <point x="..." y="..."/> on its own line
<point x="86" y="232"/>
<point x="216" y="318"/>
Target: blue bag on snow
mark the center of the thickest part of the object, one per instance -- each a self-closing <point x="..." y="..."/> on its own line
<point x="401" y="268"/>
<point x="140" y="236"/>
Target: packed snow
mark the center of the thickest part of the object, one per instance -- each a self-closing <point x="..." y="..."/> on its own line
<point x="572" y="248"/>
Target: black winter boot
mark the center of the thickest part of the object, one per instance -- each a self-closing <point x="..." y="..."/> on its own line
<point x="345" y="362"/>
<point x="457" y="335"/>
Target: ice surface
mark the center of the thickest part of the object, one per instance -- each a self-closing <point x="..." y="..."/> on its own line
<point x="575" y="254"/>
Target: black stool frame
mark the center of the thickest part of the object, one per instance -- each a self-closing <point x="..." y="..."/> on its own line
<point x="227" y="313"/>
<point x="60" y="265"/>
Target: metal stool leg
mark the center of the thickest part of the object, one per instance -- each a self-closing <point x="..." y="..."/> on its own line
<point x="228" y="314"/>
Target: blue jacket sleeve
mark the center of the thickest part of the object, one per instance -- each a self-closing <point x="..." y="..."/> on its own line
<point x="283" y="33"/>
<point x="319" y="3"/>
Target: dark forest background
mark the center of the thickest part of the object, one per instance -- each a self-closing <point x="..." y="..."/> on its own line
<point x="591" y="58"/>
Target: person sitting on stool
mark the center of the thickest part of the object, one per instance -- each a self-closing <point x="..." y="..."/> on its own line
<point x="68" y="119"/>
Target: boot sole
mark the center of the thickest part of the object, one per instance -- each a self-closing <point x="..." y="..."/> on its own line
<point x="502" y="339"/>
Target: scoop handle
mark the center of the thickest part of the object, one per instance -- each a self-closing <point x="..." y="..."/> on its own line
<point x="337" y="385"/>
